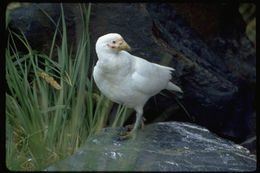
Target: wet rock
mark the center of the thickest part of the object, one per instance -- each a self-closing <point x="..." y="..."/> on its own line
<point x="169" y="146"/>
<point x="250" y="143"/>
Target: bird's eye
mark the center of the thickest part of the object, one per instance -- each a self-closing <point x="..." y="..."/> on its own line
<point x="114" y="42"/>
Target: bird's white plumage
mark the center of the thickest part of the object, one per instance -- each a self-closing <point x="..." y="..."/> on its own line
<point x="128" y="79"/>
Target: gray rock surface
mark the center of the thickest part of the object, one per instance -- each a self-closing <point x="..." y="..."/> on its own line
<point x="170" y="146"/>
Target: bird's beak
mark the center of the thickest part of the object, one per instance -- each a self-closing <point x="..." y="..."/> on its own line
<point x="124" y="46"/>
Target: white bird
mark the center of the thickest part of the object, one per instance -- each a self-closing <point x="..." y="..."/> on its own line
<point x="127" y="79"/>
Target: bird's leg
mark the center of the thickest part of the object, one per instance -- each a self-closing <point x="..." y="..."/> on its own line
<point x="142" y="123"/>
<point x="126" y="135"/>
<point x="131" y="126"/>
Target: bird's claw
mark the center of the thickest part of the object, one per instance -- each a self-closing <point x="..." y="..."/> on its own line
<point x="127" y="135"/>
<point x="131" y="133"/>
<point x="131" y="126"/>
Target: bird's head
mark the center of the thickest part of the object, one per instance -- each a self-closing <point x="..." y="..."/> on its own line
<point x="112" y="42"/>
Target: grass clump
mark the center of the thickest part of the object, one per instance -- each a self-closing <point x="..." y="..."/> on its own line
<point x="52" y="107"/>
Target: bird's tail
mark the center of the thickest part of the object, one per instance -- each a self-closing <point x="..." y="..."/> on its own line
<point x="172" y="86"/>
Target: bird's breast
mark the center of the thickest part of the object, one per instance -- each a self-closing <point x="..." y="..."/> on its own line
<point x="108" y="81"/>
<point x="113" y="86"/>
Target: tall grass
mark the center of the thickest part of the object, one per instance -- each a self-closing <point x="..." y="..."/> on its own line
<point x="45" y="123"/>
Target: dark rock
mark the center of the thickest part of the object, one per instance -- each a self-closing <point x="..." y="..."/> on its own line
<point x="208" y="78"/>
<point x="167" y="146"/>
<point x="33" y="20"/>
<point x="125" y="19"/>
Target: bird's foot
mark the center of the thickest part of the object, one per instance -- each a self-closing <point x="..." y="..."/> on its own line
<point x="127" y="135"/>
<point x="131" y="126"/>
<point x="132" y="130"/>
<point x="142" y="123"/>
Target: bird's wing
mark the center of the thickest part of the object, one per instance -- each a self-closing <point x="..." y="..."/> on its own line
<point x="149" y="78"/>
